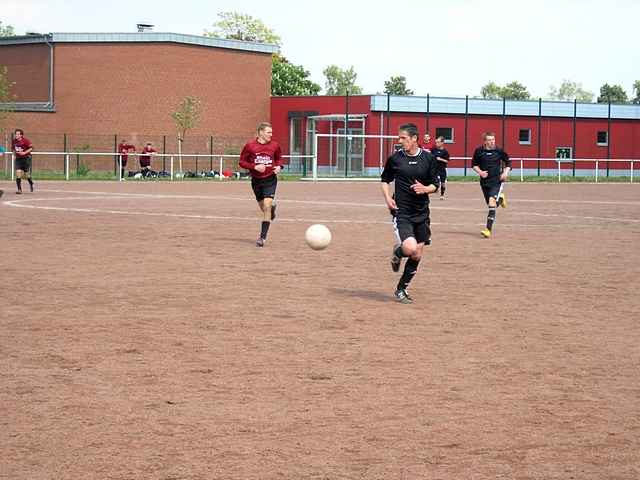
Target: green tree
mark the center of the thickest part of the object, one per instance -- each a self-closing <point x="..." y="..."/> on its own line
<point x="6" y="98"/>
<point x="515" y="91"/>
<point x="341" y="82"/>
<point x="570" y="91"/>
<point x="636" y="92"/>
<point x="6" y="30"/>
<point x="290" y="79"/>
<point x="511" y="91"/>
<point x="491" y="90"/>
<point x="397" y="86"/>
<point x="612" y="94"/>
<point x="186" y="117"/>
<point x="239" y="26"/>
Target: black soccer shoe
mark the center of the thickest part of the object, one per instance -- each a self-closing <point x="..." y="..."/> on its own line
<point x="273" y="211"/>
<point x="403" y="297"/>
<point x="395" y="260"/>
<point x="31" y="187"/>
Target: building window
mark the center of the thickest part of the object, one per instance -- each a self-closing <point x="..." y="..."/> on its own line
<point x="524" y="137"/>
<point x="603" y="138"/>
<point x="446" y="132"/>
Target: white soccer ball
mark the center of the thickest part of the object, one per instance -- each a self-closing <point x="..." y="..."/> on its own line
<point x="137" y="176"/>
<point x="318" y="237"/>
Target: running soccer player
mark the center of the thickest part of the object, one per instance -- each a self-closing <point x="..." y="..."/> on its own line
<point x="415" y="173"/>
<point x="441" y="154"/>
<point x="22" y="147"/>
<point x="493" y="166"/>
<point x="263" y="158"/>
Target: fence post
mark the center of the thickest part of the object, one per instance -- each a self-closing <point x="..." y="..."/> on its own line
<point x="171" y="159"/>
<point x="597" y="168"/>
<point x="221" y="167"/>
<point x="66" y="166"/>
<point x="13" y="166"/>
<point x="211" y="152"/>
<point x="164" y="152"/>
<point x="631" y="171"/>
<point x="521" y="170"/>
<point x="558" y="171"/>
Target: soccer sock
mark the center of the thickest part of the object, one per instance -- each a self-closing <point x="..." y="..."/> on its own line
<point x="264" y="229"/>
<point x="19" y="184"/>
<point x="122" y="173"/>
<point x="30" y="181"/>
<point x="491" y="217"/>
<point x="399" y="253"/>
<point x="410" y="269"/>
<point x="443" y="188"/>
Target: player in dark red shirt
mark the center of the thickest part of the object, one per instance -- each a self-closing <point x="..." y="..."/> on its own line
<point x="22" y="149"/>
<point x="145" y="158"/>
<point x="263" y="158"/>
<point x="124" y="149"/>
<point x="427" y="142"/>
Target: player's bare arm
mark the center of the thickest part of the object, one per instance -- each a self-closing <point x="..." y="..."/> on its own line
<point x="421" y="189"/>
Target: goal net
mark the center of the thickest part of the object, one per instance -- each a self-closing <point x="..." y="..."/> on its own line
<point x="341" y="155"/>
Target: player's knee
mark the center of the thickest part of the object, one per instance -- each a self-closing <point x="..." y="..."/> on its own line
<point x="492" y="202"/>
<point x="410" y="248"/>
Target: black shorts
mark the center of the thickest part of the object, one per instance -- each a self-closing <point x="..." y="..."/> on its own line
<point x="24" y="163"/>
<point x="264" y="187"/>
<point x="404" y="227"/>
<point x="492" y="190"/>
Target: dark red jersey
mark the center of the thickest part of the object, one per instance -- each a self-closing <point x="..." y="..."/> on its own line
<point x="21" y="146"/>
<point x="124" y="149"/>
<point x="430" y="145"/>
<point x="255" y="153"/>
<point x="145" y="160"/>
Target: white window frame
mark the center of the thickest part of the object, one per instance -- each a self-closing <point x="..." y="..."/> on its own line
<point x="522" y="142"/>
<point x="445" y="140"/>
<point x="605" y="143"/>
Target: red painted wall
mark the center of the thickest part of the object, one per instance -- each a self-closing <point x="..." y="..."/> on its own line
<point x="554" y="132"/>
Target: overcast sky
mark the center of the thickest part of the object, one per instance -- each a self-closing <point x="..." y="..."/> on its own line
<point x="445" y="48"/>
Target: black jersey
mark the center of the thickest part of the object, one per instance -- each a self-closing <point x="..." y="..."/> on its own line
<point x="442" y="153"/>
<point x="491" y="161"/>
<point x="405" y="170"/>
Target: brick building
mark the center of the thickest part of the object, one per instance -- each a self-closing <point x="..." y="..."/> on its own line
<point x="92" y="88"/>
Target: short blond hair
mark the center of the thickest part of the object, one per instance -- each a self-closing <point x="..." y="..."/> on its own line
<point x="263" y="125"/>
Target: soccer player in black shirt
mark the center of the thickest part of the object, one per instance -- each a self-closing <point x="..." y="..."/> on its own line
<point x="414" y="171"/>
<point x="442" y="156"/>
<point x="493" y="166"/>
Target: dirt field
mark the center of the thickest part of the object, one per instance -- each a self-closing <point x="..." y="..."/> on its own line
<point x="144" y="336"/>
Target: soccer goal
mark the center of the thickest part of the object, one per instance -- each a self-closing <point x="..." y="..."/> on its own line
<point x="350" y="155"/>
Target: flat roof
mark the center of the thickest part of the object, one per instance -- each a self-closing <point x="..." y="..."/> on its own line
<point x="482" y="106"/>
<point x="141" y="37"/>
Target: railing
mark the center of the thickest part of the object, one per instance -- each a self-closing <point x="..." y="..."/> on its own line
<point x="172" y="158"/>
<point x="219" y="159"/>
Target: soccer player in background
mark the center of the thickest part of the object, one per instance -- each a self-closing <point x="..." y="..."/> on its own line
<point x="441" y="154"/>
<point x="123" y="149"/>
<point x="415" y="173"/>
<point x="493" y="166"/>
<point x="22" y="148"/>
<point x="145" y="159"/>
<point x="263" y="158"/>
<point x="427" y="143"/>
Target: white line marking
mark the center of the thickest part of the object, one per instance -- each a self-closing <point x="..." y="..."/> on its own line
<point x="114" y="195"/>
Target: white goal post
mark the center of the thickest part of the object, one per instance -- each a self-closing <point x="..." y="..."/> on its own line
<point x="348" y="138"/>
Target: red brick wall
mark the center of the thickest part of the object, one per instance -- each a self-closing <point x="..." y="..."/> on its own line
<point x="131" y="89"/>
<point x="28" y="67"/>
